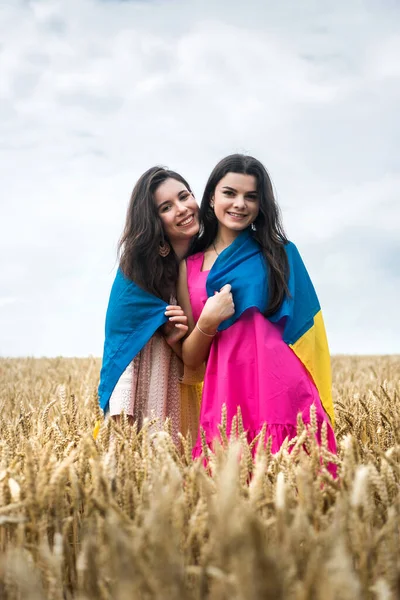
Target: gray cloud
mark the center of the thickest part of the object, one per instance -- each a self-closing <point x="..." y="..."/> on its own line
<point x="94" y="92"/>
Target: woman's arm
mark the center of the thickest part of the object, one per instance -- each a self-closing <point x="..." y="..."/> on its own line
<point x="196" y="345"/>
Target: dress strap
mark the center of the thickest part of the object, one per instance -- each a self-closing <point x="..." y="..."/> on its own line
<point x="194" y="264"/>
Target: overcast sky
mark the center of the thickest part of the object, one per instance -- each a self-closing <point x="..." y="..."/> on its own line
<point x="94" y="92"/>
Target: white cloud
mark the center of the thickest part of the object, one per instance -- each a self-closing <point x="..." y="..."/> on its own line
<point x="94" y="92"/>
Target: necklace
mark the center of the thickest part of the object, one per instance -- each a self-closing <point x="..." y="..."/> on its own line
<point x="216" y="251"/>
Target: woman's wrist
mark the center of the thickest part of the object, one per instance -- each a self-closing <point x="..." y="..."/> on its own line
<point x="207" y="328"/>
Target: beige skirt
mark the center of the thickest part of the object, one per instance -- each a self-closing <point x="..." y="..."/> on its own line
<point x="153" y="386"/>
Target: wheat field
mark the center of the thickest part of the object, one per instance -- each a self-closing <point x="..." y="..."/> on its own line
<point x="129" y="516"/>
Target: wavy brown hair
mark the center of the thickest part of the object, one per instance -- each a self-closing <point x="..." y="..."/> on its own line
<point x="268" y="232"/>
<point x="139" y="245"/>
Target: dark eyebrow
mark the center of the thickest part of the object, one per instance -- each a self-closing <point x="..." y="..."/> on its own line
<point x="231" y="189"/>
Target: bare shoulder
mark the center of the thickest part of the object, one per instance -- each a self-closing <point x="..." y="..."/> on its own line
<point x="182" y="287"/>
<point x="183" y="294"/>
<point x="182" y="270"/>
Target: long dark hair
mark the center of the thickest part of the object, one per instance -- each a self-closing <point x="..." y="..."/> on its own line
<point x="268" y="231"/>
<point x="143" y="233"/>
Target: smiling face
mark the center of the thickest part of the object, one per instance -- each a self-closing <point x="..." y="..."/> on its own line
<point x="235" y="202"/>
<point x="177" y="209"/>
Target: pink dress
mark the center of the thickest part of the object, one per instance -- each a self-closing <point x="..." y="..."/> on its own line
<point x="251" y="367"/>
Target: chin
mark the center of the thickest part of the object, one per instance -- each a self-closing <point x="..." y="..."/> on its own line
<point x="188" y="234"/>
<point x="238" y="226"/>
<point x="194" y="229"/>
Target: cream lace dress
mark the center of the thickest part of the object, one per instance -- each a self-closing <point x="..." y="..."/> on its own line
<point x="153" y="386"/>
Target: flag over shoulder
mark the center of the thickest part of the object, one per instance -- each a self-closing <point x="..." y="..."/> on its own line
<point x="133" y="316"/>
<point x="242" y="265"/>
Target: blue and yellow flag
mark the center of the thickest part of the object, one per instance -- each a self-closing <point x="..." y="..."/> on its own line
<point x="242" y="265"/>
<point x="133" y="316"/>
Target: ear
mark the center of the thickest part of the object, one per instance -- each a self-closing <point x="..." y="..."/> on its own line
<point x="212" y="201"/>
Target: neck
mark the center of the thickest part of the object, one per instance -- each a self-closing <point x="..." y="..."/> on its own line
<point x="225" y="237"/>
<point x="180" y="247"/>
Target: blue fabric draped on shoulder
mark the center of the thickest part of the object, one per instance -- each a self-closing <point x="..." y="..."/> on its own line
<point x="242" y="265"/>
<point x="133" y="316"/>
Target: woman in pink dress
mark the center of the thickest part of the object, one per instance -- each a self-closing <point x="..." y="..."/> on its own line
<point x="248" y="318"/>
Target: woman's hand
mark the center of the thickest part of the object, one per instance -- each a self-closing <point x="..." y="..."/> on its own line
<point x="177" y="326"/>
<point x="217" y="309"/>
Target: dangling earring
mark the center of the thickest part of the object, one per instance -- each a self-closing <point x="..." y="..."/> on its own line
<point x="164" y="249"/>
<point x="253" y="227"/>
<point x="212" y="204"/>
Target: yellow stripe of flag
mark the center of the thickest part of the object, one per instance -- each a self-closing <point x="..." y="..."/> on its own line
<point x="312" y="349"/>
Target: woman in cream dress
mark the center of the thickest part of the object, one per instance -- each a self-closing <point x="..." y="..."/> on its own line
<point x="142" y="373"/>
